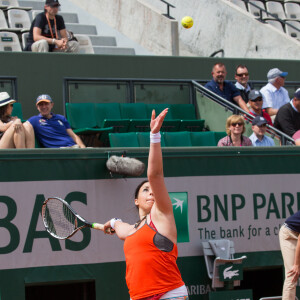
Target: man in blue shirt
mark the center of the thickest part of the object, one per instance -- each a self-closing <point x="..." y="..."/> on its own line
<point x="52" y="130"/>
<point x="225" y="88"/>
<point x="258" y="137"/>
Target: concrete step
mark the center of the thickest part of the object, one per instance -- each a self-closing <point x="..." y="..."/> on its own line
<point x="98" y="40"/>
<point x="36" y="5"/>
<point x="68" y="17"/>
<point x="81" y="28"/>
<point x="113" y="50"/>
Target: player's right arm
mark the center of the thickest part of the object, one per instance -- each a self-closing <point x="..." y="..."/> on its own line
<point x="122" y="229"/>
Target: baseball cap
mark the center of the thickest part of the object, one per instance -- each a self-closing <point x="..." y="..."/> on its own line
<point x="254" y="94"/>
<point x="297" y="94"/>
<point x="259" y="121"/>
<point x="273" y="73"/>
<point x="43" y="98"/>
<point x="52" y="3"/>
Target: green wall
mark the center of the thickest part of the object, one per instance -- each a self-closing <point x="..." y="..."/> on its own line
<point x="39" y="73"/>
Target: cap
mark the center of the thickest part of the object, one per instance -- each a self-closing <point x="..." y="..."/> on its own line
<point x="254" y="94"/>
<point x="259" y="121"/>
<point x="52" y="3"/>
<point x="5" y="99"/>
<point x="297" y="94"/>
<point x="43" y="98"/>
<point x="273" y="73"/>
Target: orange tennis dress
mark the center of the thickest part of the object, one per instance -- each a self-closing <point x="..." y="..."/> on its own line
<point x="150" y="263"/>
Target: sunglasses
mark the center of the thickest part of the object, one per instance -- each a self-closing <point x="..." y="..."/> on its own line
<point x="257" y="99"/>
<point x="234" y="124"/>
<point x="242" y="74"/>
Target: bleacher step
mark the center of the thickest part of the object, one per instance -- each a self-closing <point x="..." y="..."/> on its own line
<point x="98" y="40"/>
<point x="81" y="28"/>
<point x="113" y="50"/>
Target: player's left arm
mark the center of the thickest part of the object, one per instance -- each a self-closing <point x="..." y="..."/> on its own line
<point x="76" y="138"/>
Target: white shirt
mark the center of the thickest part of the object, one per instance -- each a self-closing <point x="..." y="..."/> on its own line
<point x="274" y="98"/>
<point x="241" y="87"/>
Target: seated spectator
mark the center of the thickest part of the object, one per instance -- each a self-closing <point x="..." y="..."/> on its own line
<point x="53" y="130"/>
<point x="242" y="81"/>
<point x="13" y="134"/>
<point x="225" y="88"/>
<point x="288" y="118"/>
<point x="48" y="32"/>
<point x="274" y="94"/>
<point x="255" y="103"/>
<point x="235" y="127"/>
<point x="258" y="137"/>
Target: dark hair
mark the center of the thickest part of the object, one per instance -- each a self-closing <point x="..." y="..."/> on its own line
<point x="3" y="117"/>
<point x="137" y="190"/>
<point x="240" y="66"/>
<point x="219" y="64"/>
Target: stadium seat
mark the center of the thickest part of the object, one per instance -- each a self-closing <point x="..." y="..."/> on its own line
<point x="85" y="44"/>
<point x="219" y="135"/>
<point x="17" y="110"/>
<point x="9" y="41"/>
<point x="127" y="139"/>
<point x="24" y="39"/>
<point x="18" y="18"/>
<point x="255" y="11"/>
<point x="109" y="115"/>
<point x="3" y="23"/>
<point x="133" y="111"/>
<point x="292" y="10"/>
<point x="275" y="23"/>
<point x="204" y="138"/>
<point x="34" y="4"/>
<point x="177" y="139"/>
<point x="239" y="3"/>
<point x="169" y="124"/>
<point x="9" y="3"/>
<point x="275" y="8"/>
<point x="291" y="31"/>
<point x="183" y="111"/>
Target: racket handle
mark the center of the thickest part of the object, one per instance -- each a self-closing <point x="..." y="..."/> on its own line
<point x="98" y="226"/>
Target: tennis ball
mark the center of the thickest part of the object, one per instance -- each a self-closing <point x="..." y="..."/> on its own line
<point x="187" y="22"/>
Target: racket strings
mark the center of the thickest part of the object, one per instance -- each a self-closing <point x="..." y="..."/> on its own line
<point x="59" y="219"/>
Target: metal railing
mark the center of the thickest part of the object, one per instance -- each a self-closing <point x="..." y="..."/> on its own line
<point x="168" y="9"/>
<point x="193" y="86"/>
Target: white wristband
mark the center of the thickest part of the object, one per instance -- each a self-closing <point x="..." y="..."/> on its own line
<point x="155" y="137"/>
<point x="53" y="41"/>
<point x="113" y="221"/>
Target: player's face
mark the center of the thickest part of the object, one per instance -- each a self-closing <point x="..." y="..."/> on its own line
<point x="219" y="73"/>
<point x="145" y="199"/>
<point x="9" y="108"/>
<point x="259" y="130"/>
<point x="45" y="108"/>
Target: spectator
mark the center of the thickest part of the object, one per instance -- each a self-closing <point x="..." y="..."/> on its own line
<point x="258" y="137"/>
<point x="288" y="118"/>
<point x="51" y="130"/>
<point x="235" y="127"/>
<point x="242" y="78"/>
<point x="13" y="134"/>
<point x="48" y="32"/>
<point x="225" y="88"/>
<point x="274" y="94"/>
<point x="255" y="103"/>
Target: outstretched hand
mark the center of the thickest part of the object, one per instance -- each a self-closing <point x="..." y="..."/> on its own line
<point x="156" y="123"/>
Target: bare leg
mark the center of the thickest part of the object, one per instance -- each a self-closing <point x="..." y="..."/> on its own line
<point x="29" y="135"/>
<point x="7" y="140"/>
<point x="19" y="138"/>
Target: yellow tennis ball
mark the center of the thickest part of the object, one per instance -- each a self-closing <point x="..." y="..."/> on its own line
<point x="187" y="22"/>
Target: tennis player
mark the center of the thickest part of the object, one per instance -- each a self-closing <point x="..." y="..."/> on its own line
<point x="150" y="244"/>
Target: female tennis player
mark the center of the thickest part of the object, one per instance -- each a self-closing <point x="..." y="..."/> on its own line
<point x="150" y="244"/>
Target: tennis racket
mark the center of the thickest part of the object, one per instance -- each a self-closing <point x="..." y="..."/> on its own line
<point x="62" y="221"/>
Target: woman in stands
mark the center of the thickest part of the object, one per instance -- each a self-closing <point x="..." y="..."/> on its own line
<point x="150" y="244"/>
<point x="235" y="127"/>
<point x="13" y="134"/>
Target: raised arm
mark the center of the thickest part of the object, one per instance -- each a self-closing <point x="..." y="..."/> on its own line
<point x="155" y="166"/>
